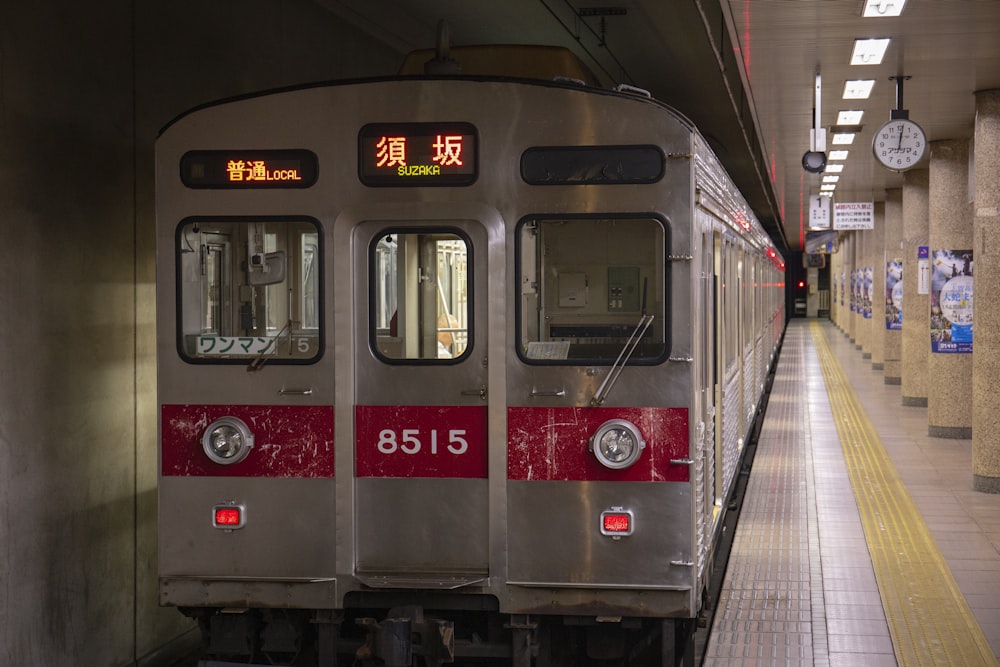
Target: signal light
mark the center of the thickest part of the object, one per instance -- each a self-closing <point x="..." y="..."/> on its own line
<point x="229" y="517"/>
<point x="802" y="284"/>
<point x="617" y="522"/>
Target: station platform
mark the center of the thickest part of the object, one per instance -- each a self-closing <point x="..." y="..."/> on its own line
<point x="860" y="540"/>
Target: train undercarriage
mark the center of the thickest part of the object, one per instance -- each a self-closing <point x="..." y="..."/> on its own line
<point x="412" y="636"/>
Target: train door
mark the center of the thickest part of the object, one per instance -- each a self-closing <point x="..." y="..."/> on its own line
<point x="718" y="361"/>
<point x="421" y="501"/>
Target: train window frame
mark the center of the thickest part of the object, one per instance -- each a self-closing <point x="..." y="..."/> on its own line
<point x="372" y="325"/>
<point x="181" y="246"/>
<point x="555" y="155"/>
<point x="521" y="346"/>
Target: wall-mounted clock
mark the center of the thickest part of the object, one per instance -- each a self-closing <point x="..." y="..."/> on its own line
<point x="899" y="144"/>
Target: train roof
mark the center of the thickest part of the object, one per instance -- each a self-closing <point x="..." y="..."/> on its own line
<point x="538" y="65"/>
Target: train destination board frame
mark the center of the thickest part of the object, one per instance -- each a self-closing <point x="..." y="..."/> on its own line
<point x="249" y="169"/>
<point x="418" y="154"/>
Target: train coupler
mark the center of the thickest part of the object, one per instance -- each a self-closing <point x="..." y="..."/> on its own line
<point x="404" y="633"/>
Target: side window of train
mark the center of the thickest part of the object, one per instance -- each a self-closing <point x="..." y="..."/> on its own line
<point x="421" y="288"/>
<point x="248" y="290"/>
<point x="592" y="289"/>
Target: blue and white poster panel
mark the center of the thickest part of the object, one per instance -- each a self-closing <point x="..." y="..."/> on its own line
<point x="951" y="302"/>
<point x="855" y="291"/>
<point x="866" y="292"/>
<point x="894" y="295"/>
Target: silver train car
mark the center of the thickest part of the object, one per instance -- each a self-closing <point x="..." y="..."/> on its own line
<point x="451" y="369"/>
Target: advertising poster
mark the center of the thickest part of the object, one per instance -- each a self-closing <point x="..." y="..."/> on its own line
<point x="951" y="302"/>
<point x="854" y="291"/>
<point x="866" y="292"/>
<point x="894" y="295"/>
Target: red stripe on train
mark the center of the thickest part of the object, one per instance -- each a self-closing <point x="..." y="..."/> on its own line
<point x="552" y="444"/>
<point x="289" y="441"/>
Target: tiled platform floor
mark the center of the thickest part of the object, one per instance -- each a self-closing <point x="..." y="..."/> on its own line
<point x="800" y="587"/>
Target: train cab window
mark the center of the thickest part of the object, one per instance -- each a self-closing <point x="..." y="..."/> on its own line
<point x="420" y="296"/>
<point x="248" y="291"/>
<point x="592" y="288"/>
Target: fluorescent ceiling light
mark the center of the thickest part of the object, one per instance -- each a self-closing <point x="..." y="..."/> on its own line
<point x="831" y="179"/>
<point x="843" y="139"/>
<point x="838" y="155"/>
<point x="858" y="89"/>
<point x="869" y="51"/>
<point x="826" y="194"/>
<point x="849" y="117"/>
<point x="834" y="168"/>
<point x="829" y="187"/>
<point x="883" y="7"/>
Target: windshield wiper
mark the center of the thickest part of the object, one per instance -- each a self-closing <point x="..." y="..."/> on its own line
<point x="271" y="349"/>
<point x="623" y="357"/>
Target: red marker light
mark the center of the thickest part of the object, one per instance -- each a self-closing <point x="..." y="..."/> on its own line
<point x="616" y="522"/>
<point x="228" y="517"/>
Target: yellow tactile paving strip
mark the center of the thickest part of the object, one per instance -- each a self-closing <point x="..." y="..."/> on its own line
<point x="929" y="619"/>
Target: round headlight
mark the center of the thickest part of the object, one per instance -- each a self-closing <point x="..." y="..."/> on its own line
<point x="617" y="444"/>
<point x="227" y="440"/>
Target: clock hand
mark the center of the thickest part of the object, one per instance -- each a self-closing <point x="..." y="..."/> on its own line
<point x="899" y="146"/>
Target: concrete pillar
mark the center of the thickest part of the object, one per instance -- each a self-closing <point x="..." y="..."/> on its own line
<point x="916" y="299"/>
<point x="876" y="258"/>
<point x="986" y="360"/>
<point x="892" y="288"/>
<point x="949" y="389"/>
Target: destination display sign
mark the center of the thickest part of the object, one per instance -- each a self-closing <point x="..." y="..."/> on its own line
<point x="418" y="154"/>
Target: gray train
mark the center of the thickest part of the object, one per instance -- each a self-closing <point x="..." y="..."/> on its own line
<point x="452" y="369"/>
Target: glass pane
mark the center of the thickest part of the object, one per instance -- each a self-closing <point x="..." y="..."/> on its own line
<point x="249" y="289"/>
<point x="420" y="283"/>
<point x="584" y="286"/>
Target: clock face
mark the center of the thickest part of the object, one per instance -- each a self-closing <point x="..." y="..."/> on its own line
<point x="899" y="144"/>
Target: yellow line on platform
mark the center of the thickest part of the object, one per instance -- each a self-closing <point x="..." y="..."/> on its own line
<point x="929" y="619"/>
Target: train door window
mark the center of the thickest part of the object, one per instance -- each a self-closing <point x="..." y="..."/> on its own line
<point x="590" y="288"/>
<point x="730" y="299"/>
<point x="248" y="290"/>
<point x="420" y="296"/>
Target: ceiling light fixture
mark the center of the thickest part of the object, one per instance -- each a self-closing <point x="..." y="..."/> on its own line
<point x="877" y="8"/>
<point x="858" y="89"/>
<point x="828" y="187"/>
<point x="852" y="117"/>
<point x="844" y="138"/>
<point x="831" y="179"/>
<point x="839" y="155"/>
<point x="869" y="51"/>
<point x="834" y="168"/>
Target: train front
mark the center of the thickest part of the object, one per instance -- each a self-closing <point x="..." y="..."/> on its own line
<point x="429" y="381"/>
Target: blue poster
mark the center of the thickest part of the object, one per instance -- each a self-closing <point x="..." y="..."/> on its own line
<point x="951" y="302"/>
<point x="894" y="295"/>
<point x="866" y="292"/>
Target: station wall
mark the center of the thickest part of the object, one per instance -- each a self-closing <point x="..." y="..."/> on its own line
<point x="84" y="90"/>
